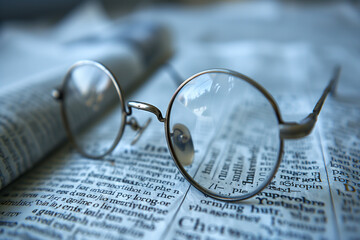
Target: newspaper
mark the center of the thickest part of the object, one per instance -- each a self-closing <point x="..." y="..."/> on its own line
<point x="30" y="120"/>
<point x="137" y="191"/>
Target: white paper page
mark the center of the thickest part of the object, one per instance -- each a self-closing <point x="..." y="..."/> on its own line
<point x="340" y="143"/>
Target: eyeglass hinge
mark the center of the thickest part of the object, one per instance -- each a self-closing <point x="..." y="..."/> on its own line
<point x="57" y="94"/>
<point x="293" y="130"/>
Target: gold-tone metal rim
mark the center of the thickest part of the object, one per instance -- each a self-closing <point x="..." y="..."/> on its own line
<point x="177" y="162"/>
<point x="64" y="115"/>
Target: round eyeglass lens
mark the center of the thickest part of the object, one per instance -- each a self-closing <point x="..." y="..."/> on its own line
<point x="93" y="109"/>
<point x="224" y="134"/>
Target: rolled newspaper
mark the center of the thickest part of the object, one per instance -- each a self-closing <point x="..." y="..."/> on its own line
<point x="30" y="121"/>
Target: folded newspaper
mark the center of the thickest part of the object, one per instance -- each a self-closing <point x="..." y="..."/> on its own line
<point x="137" y="192"/>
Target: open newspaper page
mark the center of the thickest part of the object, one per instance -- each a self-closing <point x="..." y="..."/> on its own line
<point x="340" y="143"/>
<point x="137" y="191"/>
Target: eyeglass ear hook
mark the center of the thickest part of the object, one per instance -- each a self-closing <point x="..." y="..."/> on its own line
<point x="133" y="123"/>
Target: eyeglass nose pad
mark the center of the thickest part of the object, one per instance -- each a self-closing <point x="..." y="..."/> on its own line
<point x="183" y="144"/>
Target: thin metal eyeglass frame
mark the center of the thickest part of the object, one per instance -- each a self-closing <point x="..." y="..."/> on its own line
<point x="61" y="93"/>
<point x="288" y="130"/>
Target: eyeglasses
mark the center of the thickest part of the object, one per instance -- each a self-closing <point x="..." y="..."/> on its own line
<point x="224" y="131"/>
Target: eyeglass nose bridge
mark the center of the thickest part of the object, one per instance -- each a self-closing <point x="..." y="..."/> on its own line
<point x="145" y="107"/>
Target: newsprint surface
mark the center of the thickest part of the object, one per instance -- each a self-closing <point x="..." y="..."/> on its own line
<point x="137" y="192"/>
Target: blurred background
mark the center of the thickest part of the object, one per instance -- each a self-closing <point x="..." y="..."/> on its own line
<point x="37" y="9"/>
<point x="36" y="35"/>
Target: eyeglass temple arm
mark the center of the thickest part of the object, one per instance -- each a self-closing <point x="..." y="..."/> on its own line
<point x="174" y="74"/>
<point x="293" y="130"/>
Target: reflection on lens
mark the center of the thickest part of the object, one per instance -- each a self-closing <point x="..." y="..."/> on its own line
<point x="91" y="104"/>
<point x="234" y="132"/>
